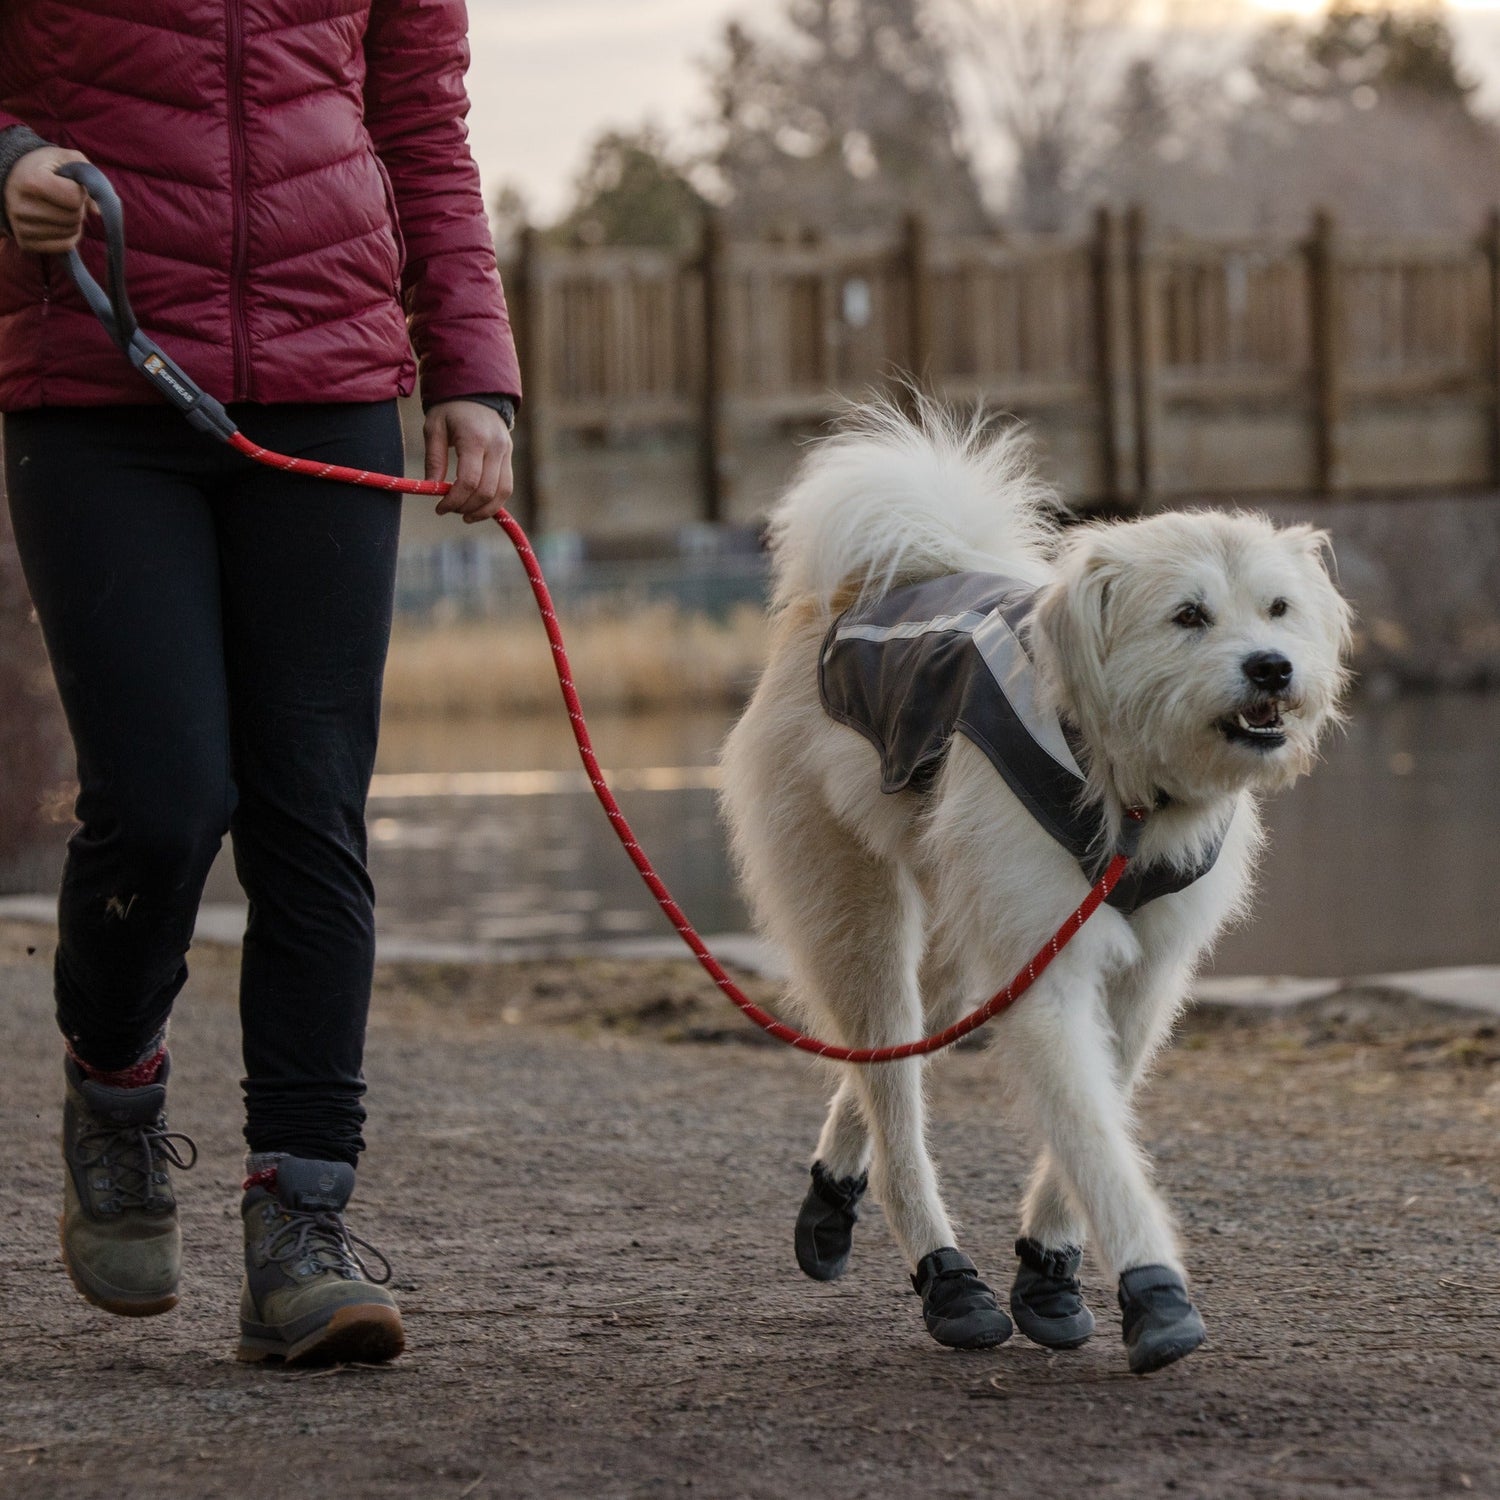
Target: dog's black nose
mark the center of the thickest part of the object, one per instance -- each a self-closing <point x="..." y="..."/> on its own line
<point x="1270" y="671"/>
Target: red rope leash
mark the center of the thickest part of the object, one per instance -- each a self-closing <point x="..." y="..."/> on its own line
<point x="685" y="930"/>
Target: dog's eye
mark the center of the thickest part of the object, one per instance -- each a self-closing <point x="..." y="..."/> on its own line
<point x="1278" y="608"/>
<point x="1193" y="617"/>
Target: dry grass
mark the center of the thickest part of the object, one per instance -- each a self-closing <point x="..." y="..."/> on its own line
<point x="651" y="658"/>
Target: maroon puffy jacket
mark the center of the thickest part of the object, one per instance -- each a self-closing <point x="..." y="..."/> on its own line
<point x="293" y="172"/>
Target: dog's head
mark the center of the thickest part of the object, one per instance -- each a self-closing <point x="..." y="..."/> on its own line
<point x="1199" y="653"/>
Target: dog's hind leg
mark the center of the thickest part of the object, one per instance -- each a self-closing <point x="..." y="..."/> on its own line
<point x="841" y="1163"/>
<point x="844" y="1144"/>
<point x="1046" y="1298"/>
<point x="958" y="1308"/>
<point x="840" y="1174"/>
<point x="857" y="966"/>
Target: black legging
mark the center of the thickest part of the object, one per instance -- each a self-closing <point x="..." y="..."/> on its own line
<point x="218" y="632"/>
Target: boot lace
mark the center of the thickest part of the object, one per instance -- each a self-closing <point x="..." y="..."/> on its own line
<point x="133" y="1155"/>
<point x="322" y="1242"/>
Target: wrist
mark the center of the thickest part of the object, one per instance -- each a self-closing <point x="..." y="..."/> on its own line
<point x="16" y="141"/>
<point x="506" y="406"/>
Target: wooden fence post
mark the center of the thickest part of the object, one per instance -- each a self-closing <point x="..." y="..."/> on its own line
<point x="1145" y="353"/>
<point x="1492" y="254"/>
<point x="531" y="340"/>
<point x="915" y="263"/>
<point x="1111" y="343"/>
<point x="714" y="436"/>
<point x="1326" y="339"/>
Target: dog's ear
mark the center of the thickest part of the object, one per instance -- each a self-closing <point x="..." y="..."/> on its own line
<point x="1313" y="542"/>
<point x="1073" y="626"/>
<point x="1316" y="546"/>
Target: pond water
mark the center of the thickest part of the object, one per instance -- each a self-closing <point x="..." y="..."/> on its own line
<point x="1388" y="858"/>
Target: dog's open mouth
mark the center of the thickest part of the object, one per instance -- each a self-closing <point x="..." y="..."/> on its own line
<point x="1258" y="725"/>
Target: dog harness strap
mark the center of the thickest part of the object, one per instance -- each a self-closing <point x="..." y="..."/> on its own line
<point x="950" y="656"/>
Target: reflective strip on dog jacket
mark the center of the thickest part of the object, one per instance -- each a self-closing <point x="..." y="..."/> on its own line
<point x="949" y="656"/>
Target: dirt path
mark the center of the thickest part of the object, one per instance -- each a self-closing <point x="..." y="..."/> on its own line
<point x="591" y="1226"/>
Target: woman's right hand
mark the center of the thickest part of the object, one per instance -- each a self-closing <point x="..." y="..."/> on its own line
<point x="45" y="211"/>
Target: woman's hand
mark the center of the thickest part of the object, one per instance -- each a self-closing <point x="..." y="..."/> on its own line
<point x="480" y="440"/>
<point x="45" y="211"/>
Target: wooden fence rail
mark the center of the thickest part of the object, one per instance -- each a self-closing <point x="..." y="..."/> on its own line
<point x="1149" y="366"/>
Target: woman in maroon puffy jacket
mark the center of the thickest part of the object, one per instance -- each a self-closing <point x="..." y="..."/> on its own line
<point x="302" y="210"/>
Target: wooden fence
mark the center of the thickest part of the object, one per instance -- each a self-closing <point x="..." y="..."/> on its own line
<point x="1148" y="366"/>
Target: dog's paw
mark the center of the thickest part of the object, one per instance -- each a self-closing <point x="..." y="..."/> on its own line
<point x="1160" y="1323"/>
<point x="959" y="1309"/>
<point x="825" y="1223"/>
<point x="1045" y="1298"/>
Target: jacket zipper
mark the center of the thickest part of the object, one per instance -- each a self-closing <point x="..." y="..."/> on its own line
<point x="239" y="333"/>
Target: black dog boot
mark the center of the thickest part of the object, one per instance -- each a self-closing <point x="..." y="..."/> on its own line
<point x="825" y="1223"/>
<point x="1160" y="1322"/>
<point x="1045" y="1298"/>
<point x="957" y="1307"/>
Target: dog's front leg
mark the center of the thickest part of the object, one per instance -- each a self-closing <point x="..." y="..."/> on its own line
<point x="1046" y="1298"/>
<point x="1061" y="1060"/>
<point x="1066" y="1071"/>
<point x="1142" y="1005"/>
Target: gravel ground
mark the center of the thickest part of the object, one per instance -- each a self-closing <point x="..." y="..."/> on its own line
<point x="588" y="1187"/>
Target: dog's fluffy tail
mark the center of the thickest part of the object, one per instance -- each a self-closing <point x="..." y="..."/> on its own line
<point x="890" y="500"/>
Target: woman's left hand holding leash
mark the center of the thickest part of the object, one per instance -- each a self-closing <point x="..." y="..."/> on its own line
<point x="481" y="443"/>
<point x="45" y="211"/>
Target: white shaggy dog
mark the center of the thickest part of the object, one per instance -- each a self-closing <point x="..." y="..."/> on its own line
<point x="1179" y="664"/>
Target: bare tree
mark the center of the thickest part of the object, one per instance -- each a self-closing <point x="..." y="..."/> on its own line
<point x="1364" y="110"/>
<point x="1040" y="69"/>
<point x="843" y="117"/>
<point x="1058" y="81"/>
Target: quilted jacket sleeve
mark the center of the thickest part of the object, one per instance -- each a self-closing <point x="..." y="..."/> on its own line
<point x="6" y="118"/>
<point x="416" y="53"/>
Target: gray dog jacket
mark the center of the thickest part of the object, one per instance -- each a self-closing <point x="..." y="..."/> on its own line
<point x="950" y="656"/>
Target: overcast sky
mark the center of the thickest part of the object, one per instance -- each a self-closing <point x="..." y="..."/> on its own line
<point x="548" y="77"/>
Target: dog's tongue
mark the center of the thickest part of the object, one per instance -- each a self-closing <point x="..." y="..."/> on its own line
<point x="1262" y="715"/>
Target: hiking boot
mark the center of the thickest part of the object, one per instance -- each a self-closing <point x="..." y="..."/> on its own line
<point x="308" y="1298"/>
<point x="825" y="1223"/>
<point x="959" y="1310"/>
<point x="1046" y="1300"/>
<point x="120" y="1240"/>
<point x="1160" y="1323"/>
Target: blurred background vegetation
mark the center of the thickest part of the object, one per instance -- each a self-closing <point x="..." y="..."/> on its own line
<point x="842" y="115"/>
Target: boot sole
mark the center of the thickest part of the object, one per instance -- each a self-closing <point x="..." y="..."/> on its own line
<point x="369" y="1335"/>
<point x="111" y="1299"/>
<point x="812" y="1265"/>
<point x="1058" y="1333"/>
<point x="979" y="1334"/>
<point x="1156" y="1354"/>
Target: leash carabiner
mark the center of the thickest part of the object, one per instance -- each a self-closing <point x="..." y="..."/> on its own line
<point x="113" y="310"/>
